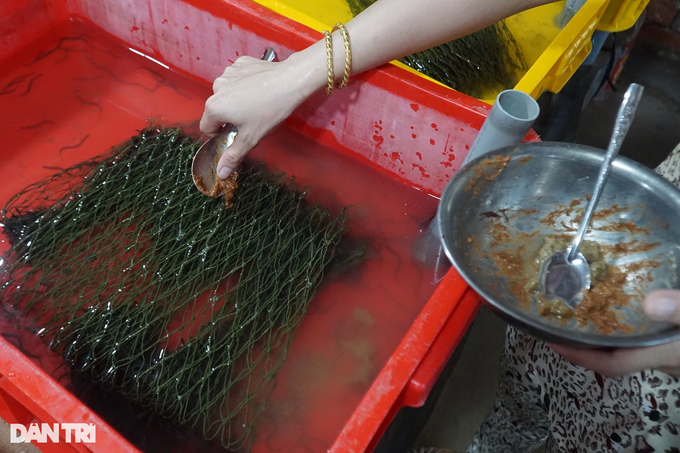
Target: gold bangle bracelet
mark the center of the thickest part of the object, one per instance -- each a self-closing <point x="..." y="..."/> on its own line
<point x="329" y="62"/>
<point x="348" y="54"/>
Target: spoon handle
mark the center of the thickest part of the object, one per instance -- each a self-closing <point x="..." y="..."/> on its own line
<point x="623" y="121"/>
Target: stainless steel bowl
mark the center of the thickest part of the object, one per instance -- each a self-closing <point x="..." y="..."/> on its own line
<point x="541" y="176"/>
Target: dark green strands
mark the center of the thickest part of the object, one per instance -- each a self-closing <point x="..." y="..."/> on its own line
<point x="487" y="60"/>
<point x="160" y="293"/>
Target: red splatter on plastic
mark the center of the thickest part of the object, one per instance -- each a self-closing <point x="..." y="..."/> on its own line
<point x="395" y="156"/>
<point x="446" y="164"/>
<point x="423" y="173"/>
<point x="391" y="136"/>
<point x="431" y="141"/>
<point x="434" y="125"/>
<point x="462" y="130"/>
<point x="198" y="58"/>
<point x="165" y="21"/>
<point x="467" y="146"/>
<point x="420" y="156"/>
<point x="412" y="127"/>
<point x="452" y="157"/>
<point x="186" y="27"/>
<point x="378" y="139"/>
<point x="229" y="25"/>
<point x="415" y="107"/>
<point x="134" y="28"/>
<point x="333" y="123"/>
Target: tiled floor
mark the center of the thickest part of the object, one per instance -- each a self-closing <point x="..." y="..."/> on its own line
<point x="7" y="447"/>
<point x="470" y="390"/>
<point x="656" y="128"/>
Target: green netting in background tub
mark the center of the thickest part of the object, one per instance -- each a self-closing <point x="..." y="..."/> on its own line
<point x="486" y="60"/>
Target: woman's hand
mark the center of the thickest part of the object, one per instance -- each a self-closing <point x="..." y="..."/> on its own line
<point x="663" y="305"/>
<point x="255" y="96"/>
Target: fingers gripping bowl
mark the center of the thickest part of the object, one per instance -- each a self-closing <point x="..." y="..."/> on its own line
<point x="504" y="211"/>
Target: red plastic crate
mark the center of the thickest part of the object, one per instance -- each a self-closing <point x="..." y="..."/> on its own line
<point x="415" y="131"/>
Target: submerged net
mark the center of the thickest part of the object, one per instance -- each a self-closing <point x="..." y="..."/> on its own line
<point x="488" y="59"/>
<point x="158" y="292"/>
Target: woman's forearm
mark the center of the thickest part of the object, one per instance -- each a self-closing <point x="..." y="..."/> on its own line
<point x="391" y="29"/>
<point x="255" y="96"/>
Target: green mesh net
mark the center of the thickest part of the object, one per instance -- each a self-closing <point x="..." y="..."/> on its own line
<point x="157" y="291"/>
<point x="476" y="64"/>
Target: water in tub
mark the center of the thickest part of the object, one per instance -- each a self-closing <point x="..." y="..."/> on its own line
<point x="75" y="92"/>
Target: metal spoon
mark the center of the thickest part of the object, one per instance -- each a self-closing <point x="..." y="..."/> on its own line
<point x="566" y="274"/>
<point x="204" y="164"/>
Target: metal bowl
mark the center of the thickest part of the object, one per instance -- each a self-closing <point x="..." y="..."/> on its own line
<point x="546" y="177"/>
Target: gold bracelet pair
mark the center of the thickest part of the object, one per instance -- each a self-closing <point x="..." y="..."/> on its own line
<point x="329" y="58"/>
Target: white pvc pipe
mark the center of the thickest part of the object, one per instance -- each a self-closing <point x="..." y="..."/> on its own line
<point x="508" y="123"/>
<point x="571" y="7"/>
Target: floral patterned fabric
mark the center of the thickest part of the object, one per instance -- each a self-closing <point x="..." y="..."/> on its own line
<point x="543" y="399"/>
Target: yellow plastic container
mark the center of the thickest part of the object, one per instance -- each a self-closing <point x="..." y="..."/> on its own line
<point x="552" y="55"/>
<point x="622" y="14"/>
